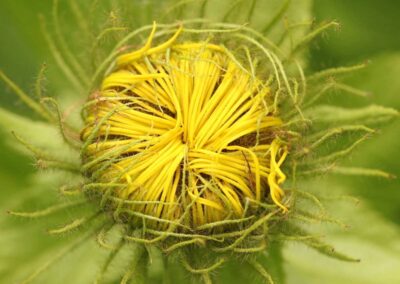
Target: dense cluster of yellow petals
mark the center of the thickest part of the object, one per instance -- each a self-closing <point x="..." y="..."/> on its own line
<point x="185" y="132"/>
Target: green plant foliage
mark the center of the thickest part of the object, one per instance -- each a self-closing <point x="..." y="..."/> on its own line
<point x="345" y="228"/>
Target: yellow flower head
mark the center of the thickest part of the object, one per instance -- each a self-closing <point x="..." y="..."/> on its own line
<point x="184" y="150"/>
<point x="180" y="132"/>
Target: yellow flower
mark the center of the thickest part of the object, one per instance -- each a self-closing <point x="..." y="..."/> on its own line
<point x="185" y="133"/>
<point x="186" y="138"/>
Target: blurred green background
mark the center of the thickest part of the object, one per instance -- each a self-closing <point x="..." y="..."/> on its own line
<point x="369" y="31"/>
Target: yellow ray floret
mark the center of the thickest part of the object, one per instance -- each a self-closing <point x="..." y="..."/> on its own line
<point x="185" y="132"/>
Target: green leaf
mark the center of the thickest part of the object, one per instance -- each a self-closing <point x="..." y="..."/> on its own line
<point x="380" y="152"/>
<point x="371" y="238"/>
<point x="38" y="134"/>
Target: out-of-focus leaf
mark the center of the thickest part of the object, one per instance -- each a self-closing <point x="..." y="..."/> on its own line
<point x="23" y="49"/>
<point x="371" y="238"/>
<point x="369" y="27"/>
<point x="39" y="134"/>
<point x="381" y="151"/>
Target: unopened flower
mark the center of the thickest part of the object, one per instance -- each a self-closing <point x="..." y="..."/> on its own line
<point x="186" y="133"/>
<point x="192" y="142"/>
